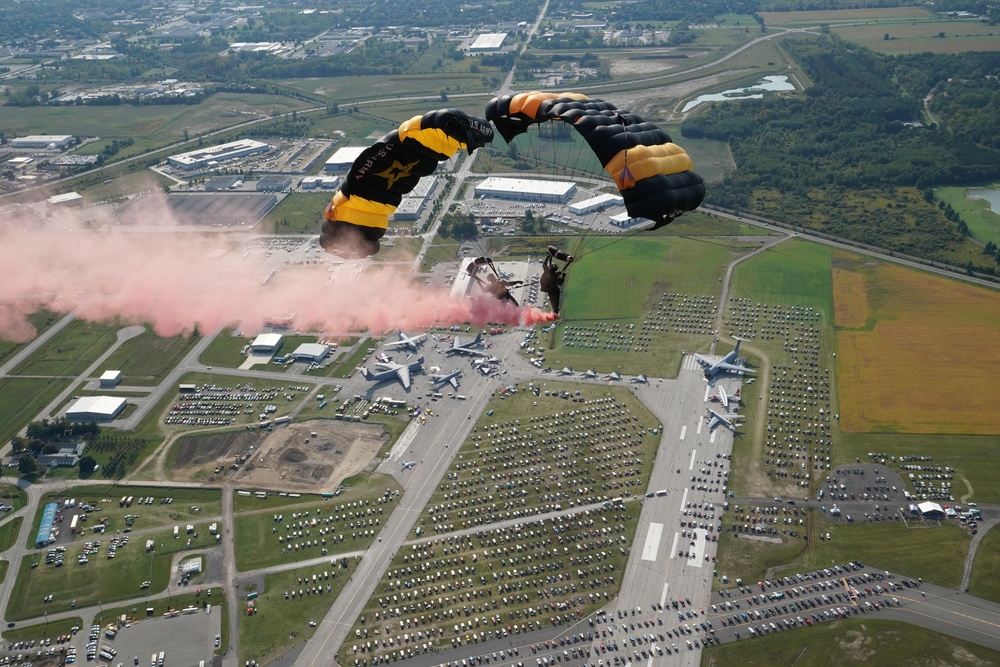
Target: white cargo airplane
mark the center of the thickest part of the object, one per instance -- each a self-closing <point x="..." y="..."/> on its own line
<point x="725" y="365"/>
<point x="392" y="371"/>
<point x="717" y="418"/>
<point x="450" y="378"/>
<point x="409" y="342"/>
<point x="722" y="397"/>
<point x="471" y="348"/>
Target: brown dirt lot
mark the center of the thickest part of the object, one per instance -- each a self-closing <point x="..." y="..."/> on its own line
<point x="289" y="458"/>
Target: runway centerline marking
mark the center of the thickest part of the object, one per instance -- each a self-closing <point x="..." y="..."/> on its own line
<point x="673" y="548"/>
<point x="693" y="453"/>
<point x="663" y="597"/>
<point x="684" y="430"/>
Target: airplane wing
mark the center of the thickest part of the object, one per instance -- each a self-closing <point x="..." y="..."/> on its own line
<point x="734" y="368"/>
<point x="404" y="376"/>
<point x="702" y="360"/>
<point x="394" y="344"/>
<point x="714" y="421"/>
<point x="454" y="381"/>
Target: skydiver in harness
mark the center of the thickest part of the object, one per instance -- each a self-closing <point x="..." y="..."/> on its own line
<point x="497" y="287"/>
<point x="552" y="276"/>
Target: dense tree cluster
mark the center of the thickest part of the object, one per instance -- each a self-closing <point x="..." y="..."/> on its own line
<point x="826" y="158"/>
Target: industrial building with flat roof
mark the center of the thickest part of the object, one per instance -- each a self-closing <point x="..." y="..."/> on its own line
<point x="204" y="157"/>
<point x="66" y="199"/>
<point x="111" y="378"/>
<point x="598" y="203"/>
<point x="42" y="141"/>
<point x="96" y="408"/>
<point x="341" y="161"/>
<point x="524" y="189"/>
<point x="491" y="41"/>
<point x="273" y="183"/>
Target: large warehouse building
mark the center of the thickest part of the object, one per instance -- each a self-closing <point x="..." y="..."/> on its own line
<point x="268" y="343"/>
<point x="312" y="352"/>
<point x="524" y="189"/>
<point x="487" y="42"/>
<point x="598" y="203"/>
<point x="212" y="155"/>
<point x="96" y="408"/>
<point x="43" y="141"/>
<point x="341" y="161"/>
<point x="44" y="536"/>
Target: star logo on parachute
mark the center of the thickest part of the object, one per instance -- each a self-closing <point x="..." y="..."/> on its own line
<point x="396" y="172"/>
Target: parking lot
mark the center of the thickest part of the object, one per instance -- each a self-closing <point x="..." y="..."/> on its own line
<point x="185" y="639"/>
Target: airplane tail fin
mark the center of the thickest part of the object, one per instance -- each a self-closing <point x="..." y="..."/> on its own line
<point x="364" y="372"/>
<point x="478" y="340"/>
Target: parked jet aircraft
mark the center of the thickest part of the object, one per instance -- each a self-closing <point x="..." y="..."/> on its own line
<point x="615" y="375"/>
<point x="721" y="396"/>
<point x="591" y="374"/>
<point x="641" y="379"/>
<point x="409" y="342"/>
<point x="450" y="378"/>
<point x="725" y="365"/>
<point x="391" y="371"/>
<point x="717" y="418"/>
<point x="408" y="464"/>
<point x="471" y="348"/>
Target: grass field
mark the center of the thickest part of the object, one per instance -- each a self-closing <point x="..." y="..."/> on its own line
<point x="596" y="292"/>
<point x="985" y="581"/>
<point x="71" y="350"/>
<point x="41" y="320"/>
<point x="21" y="399"/>
<point x="854" y="642"/>
<point x="148" y="358"/>
<point x="935" y="554"/>
<point x="162" y="604"/>
<point x="13" y="496"/>
<point x="984" y="224"/>
<point x="43" y="630"/>
<point x="225" y="351"/>
<point x="257" y="533"/>
<point x="9" y="531"/>
<point x="298" y="213"/>
<point x="835" y="16"/>
<point x="916" y="367"/>
<point x="923" y="37"/>
<point x="181" y="510"/>
<point x="105" y="580"/>
<point x="280" y="625"/>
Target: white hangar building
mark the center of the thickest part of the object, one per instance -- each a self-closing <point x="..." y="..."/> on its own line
<point x="311" y="352"/>
<point x="96" y="408"/>
<point x="268" y="343"/>
<point x="341" y="161"/>
<point x="526" y="189"/>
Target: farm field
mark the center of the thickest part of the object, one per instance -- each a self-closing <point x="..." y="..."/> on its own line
<point x="599" y="297"/>
<point x="854" y="642"/>
<point x="914" y="366"/>
<point x="147" y="359"/>
<point x="985" y="581"/>
<point x="278" y="624"/>
<point x="959" y="37"/>
<point x="834" y="16"/>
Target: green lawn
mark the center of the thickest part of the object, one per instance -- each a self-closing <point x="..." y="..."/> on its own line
<point x="257" y="532"/>
<point x="101" y="579"/>
<point x="225" y="351"/>
<point x="71" y="350"/>
<point x="297" y="213"/>
<point x="160" y="605"/>
<point x="148" y="358"/>
<point x="935" y="554"/>
<point x="41" y="631"/>
<point x="41" y="320"/>
<point x="9" y="530"/>
<point x="182" y="510"/>
<point x="985" y="582"/>
<point x="13" y="496"/>
<point x="984" y="224"/>
<point x="853" y="642"/>
<point x="279" y="624"/>
<point x="599" y="293"/>
<point x="21" y="401"/>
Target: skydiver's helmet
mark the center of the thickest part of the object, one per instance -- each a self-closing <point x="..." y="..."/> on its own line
<point x="350" y="241"/>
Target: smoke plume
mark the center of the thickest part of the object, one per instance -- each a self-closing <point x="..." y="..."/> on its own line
<point x="178" y="280"/>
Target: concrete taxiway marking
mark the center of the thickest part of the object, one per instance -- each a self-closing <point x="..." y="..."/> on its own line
<point x="708" y="388"/>
<point x="701" y="422"/>
<point x="663" y="597"/>
<point x="652" y="544"/>
<point x="673" y="548"/>
<point x="698" y="549"/>
<point x="404" y="441"/>
<point x="691" y="465"/>
<point x="684" y="499"/>
<point x="684" y="430"/>
<point x="711" y="439"/>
